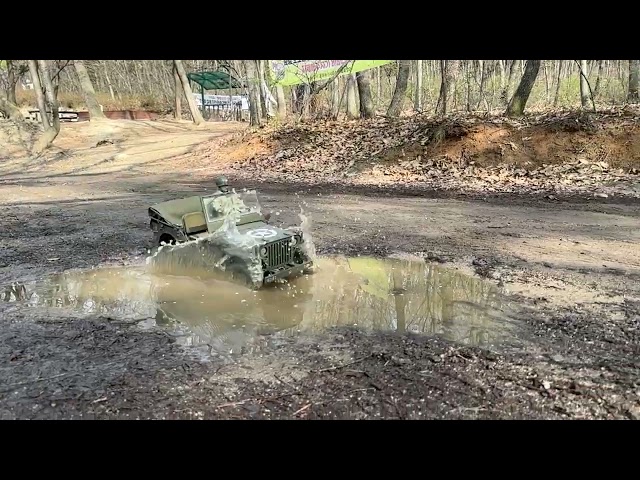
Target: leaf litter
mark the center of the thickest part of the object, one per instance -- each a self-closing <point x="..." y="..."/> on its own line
<point x="555" y="153"/>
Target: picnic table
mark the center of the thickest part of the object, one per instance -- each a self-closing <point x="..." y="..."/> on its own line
<point x="63" y="115"/>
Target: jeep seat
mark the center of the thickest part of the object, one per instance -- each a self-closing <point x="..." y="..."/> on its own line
<point x="194" y="222"/>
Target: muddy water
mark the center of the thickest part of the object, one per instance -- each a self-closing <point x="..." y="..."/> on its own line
<point x="368" y="293"/>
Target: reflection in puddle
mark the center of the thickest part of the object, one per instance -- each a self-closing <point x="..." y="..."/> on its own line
<point x="370" y="293"/>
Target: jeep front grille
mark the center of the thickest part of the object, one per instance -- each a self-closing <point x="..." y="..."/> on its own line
<point x="278" y="253"/>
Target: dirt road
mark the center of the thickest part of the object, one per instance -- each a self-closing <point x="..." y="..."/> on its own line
<point x="571" y="268"/>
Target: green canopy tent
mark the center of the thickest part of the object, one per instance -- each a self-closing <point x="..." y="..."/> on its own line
<point x="216" y="80"/>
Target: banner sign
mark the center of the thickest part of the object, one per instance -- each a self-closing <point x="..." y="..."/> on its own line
<point x="296" y="72"/>
<point x="222" y="101"/>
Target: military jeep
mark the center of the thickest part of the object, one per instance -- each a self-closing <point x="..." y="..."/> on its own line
<point x="231" y="234"/>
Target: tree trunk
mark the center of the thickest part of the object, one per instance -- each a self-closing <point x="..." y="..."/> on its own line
<point x="417" y="101"/>
<point x="546" y="81"/>
<point x="584" y="87"/>
<point x="10" y="109"/>
<point x="449" y="71"/>
<point x="633" y="95"/>
<point x="270" y="103"/>
<point x="352" y="97"/>
<point x="397" y="101"/>
<point x="520" y="97"/>
<point x="482" y="71"/>
<point x="37" y="88"/>
<point x="378" y="86"/>
<point x="177" y="113"/>
<point x="465" y="67"/>
<point x="261" y="90"/>
<point x="297" y="98"/>
<point x="364" y="91"/>
<point x="504" y="96"/>
<point x="51" y="130"/>
<point x="502" y="68"/>
<point x="191" y="101"/>
<point x="11" y="83"/>
<point x="596" y="88"/>
<point x="557" y="94"/>
<point x="254" y="92"/>
<point x="51" y="93"/>
<point x="106" y="77"/>
<point x="335" y="98"/>
<point x="88" y="92"/>
<point x="282" y="104"/>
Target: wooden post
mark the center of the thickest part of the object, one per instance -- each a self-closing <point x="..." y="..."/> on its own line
<point x="202" y="94"/>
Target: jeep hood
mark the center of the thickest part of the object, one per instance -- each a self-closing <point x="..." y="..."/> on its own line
<point x="264" y="231"/>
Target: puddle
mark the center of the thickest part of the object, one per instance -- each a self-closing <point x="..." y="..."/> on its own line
<point x="368" y="293"/>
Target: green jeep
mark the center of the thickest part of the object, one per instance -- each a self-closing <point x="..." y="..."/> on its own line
<point x="231" y="234"/>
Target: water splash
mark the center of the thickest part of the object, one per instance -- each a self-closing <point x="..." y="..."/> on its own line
<point x="309" y="246"/>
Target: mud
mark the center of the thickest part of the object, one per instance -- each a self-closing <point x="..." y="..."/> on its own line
<point x="569" y="269"/>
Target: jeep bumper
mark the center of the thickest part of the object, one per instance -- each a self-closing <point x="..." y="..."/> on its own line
<point x="287" y="271"/>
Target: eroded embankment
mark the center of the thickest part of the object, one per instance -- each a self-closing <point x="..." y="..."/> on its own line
<point x="561" y="153"/>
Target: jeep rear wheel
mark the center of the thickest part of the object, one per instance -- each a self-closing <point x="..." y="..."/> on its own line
<point x="166" y="239"/>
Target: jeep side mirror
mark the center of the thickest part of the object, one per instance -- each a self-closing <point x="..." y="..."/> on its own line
<point x="267" y="216"/>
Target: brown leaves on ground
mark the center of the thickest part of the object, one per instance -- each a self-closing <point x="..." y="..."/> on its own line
<point x="566" y="152"/>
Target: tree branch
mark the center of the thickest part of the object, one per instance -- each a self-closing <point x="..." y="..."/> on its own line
<point x="318" y="89"/>
<point x="60" y="71"/>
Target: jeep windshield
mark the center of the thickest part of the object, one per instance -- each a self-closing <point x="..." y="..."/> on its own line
<point x="218" y="206"/>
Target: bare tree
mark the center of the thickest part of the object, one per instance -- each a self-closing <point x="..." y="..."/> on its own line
<point x="191" y="101"/>
<point x="364" y="91"/>
<point x="397" y="101"/>
<point x="37" y="88"/>
<point x="504" y="94"/>
<point x="270" y="102"/>
<point x="254" y="92"/>
<point x="335" y="99"/>
<point x="261" y="88"/>
<point x="50" y="93"/>
<point x="558" y="82"/>
<point x="282" y="103"/>
<point x="596" y="88"/>
<point x="40" y="77"/>
<point x="177" y="113"/>
<point x="478" y="84"/>
<point x="449" y="70"/>
<point x="11" y="82"/>
<point x="88" y="92"/>
<point x="584" y="87"/>
<point x="108" y="80"/>
<point x="633" y="95"/>
<point x="482" y="72"/>
<point x="352" y="97"/>
<point x="417" y="103"/>
<point x="519" y="100"/>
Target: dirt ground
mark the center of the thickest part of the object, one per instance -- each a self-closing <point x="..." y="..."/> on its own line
<point x="570" y="263"/>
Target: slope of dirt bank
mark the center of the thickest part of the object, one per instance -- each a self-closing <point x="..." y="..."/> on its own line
<point x="572" y="268"/>
<point x="562" y="153"/>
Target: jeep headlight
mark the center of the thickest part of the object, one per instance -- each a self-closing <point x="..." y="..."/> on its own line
<point x="263" y="251"/>
<point x="294" y="241"/>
